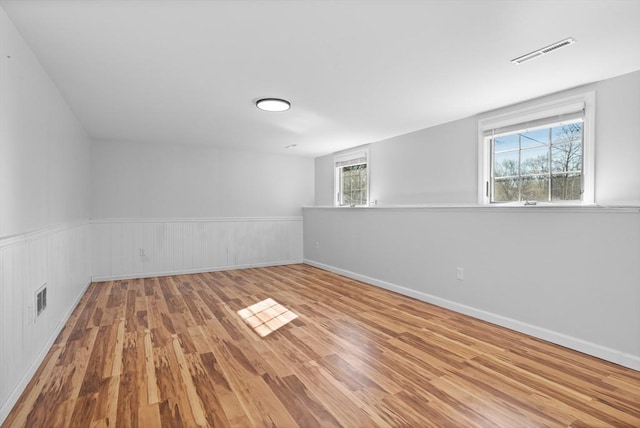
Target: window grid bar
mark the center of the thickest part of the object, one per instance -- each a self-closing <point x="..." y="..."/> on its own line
<point x="549" y="167"/>
<point x="549" y="175"/>
<point x="519" y="166"/>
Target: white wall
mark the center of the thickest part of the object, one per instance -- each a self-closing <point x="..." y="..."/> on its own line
<point x="194" y="208"/>
<point x="128" y="248"/>
<point x="412" y="169"/>
<point x="44" y="212"/>
<point x="132" y="180"/>
<point x="618" y="140"/>
<point x="567" y="275"/>
<point x="440" y="164"/>
<point x="44" y="152"/>
<point x="323" y="180"/>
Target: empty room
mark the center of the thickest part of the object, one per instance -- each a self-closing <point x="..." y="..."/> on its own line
<point x="319" y="213"/>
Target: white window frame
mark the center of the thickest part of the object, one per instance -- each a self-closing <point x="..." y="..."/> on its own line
<point x="346" y="157"/>
<point x="566" y="105"/>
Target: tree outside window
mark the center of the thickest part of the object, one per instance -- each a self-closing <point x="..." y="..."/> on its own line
<point x="543" y="164"/>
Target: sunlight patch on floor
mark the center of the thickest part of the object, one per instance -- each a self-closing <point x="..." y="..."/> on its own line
<point x="267" y="316"/>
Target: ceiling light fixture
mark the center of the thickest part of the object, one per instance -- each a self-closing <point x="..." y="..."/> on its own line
<point x="543" y="51"/>
<point x="273" y="104"/>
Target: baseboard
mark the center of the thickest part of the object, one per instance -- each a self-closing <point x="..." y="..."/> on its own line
<point x="589" y="348"/>
<point x="135" y="275"/>
<point x="8" y="405"/>
<point x="630" y="361"/>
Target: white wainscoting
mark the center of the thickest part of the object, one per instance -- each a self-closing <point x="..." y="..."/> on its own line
<point x="128" y="248"/>
<point x="57" y="256"/>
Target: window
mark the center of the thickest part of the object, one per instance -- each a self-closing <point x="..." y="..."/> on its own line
<point x="352" y="178"/>
<point x="541" y="164"/>
<point x="542" y="155"/>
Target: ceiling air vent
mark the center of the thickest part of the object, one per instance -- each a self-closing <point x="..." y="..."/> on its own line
<point x="542" y="51"/>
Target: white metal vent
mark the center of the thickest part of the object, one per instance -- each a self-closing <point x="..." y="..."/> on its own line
<point x="41" y="299"/>
<point x="543" y="51"/>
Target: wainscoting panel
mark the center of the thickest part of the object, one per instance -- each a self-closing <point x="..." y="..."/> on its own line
<point x="127" y="248"/>
<point x="58" y="257"/>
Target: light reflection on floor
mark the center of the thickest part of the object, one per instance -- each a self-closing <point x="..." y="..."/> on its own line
<point x="267" y="316"/>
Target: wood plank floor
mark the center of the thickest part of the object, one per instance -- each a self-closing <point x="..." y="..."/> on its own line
<point x="174" y="352"/>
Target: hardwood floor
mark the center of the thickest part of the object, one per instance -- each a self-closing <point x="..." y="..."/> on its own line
<point x="174" y="351"/>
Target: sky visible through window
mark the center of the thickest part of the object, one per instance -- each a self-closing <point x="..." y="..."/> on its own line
<point x="542" y="165"/>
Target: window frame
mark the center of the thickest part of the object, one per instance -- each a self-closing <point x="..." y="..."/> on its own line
<point x="348" y="156"/>
<point x="533" y="113"/>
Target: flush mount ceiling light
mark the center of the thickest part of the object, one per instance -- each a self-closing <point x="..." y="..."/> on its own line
<point x="273" y="104"/>
<point x="543" y="51"/>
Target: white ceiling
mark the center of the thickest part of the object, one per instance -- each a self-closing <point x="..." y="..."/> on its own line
<point x="355" y="71"/>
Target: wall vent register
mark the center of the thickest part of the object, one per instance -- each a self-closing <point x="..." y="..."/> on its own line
<point x="543" y="51"/>
<point x="41" y="300"/>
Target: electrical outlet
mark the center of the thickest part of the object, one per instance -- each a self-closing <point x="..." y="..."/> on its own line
<point x="460" y="274"/>
<point x="317" y="244"/>
<point x="141" y="252"/>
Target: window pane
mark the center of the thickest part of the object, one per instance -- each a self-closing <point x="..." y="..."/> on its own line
<point x="506" y="164"/>
<point x="566" y="187"/>
<point x="567" y="157"/>
<point x="535" y="188"/>
<point x="506" y="190"/>
<point x="506" y="142"/>
<point x="542" y="165"/>
<point x="571" y="133"/>
<point x="354" y="184"/>
<point x="534" y="161"/>
<point x="537" y="138"/>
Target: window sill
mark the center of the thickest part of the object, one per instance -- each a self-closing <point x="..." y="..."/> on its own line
<point x="533" y="204"/>
<point x="595" y="208"/>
